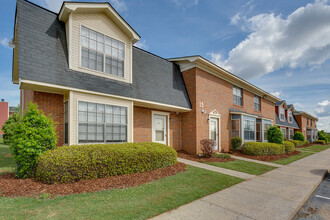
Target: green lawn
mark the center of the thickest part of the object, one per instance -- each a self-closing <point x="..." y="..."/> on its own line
<point x="244" y="166"/>
<point x="304" y="153"/>
<point x="139" y="202"/>
<point x="6" y="160"/>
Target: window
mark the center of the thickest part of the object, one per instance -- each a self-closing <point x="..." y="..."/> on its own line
<point x="311" y="122"/>
<point x="66" y="122"/>
<point x="267" y="125"/>
<point x="307" y="121"/>
<point x="284" y="132"/>
<point x="290" y="118"/>
<point x="256" y="103"/>
<point x="101" y="123"/>
<point x="282" y="114"/>
<point x="237" y="96"/>
<point x="249" y="128"/>
<point x="235" y="128"/>
<point x="309" y="134"/>
<point x="291" y="134"/>
<point x="102" y="53"/>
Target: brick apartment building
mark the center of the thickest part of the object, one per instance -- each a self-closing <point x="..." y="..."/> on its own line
<point x="99" y="88"/>
<point x="4" y="114"/>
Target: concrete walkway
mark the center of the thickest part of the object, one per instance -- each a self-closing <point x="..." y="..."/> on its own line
<point x="241" y="175"/>
<point x="278" y="194"/>
<point x="256" y="161"/>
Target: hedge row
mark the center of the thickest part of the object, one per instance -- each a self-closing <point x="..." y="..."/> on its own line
<point x="261" y="148"/>
<point x="73" y="163"/>
<point x="289" y="146"/>
<point x="297" y="143"/>
<point x="319" y="142"/>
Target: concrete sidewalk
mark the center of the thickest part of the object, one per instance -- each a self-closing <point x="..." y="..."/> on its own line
<point x="278" y="194"/>
<point x="241" y="175"/>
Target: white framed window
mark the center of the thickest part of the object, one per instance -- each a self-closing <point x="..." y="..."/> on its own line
<point x="307" y="121"/>
<point x="102" y="53"/>
<point x="257" y="103"/>
<point x="235" y="128"/>
<point x="290" y="117"/>
<point x="249" y="128"/>
<point x="266" y="124"/>
<point x="291" y="134"/>
<point x="237" y="96"/>
<point x="282" y="116"/>
<point x="284" y="132"/>
<point x="101" y="123"/>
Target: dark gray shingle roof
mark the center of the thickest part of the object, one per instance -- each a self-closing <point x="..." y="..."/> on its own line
<point x="43" y="57"/>
<point x="285" y="123"/>
<point x="279" y="103"/>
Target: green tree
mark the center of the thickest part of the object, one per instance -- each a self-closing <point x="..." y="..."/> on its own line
<point x="275" y="135"/>
<point x="34" y="135"/>
<point x="9" y="126"/>
<point x="322" y="135"/>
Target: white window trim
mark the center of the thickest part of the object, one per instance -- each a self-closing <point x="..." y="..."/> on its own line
<point x="99" y="73"/>
<point x="290" y="129"/>
<point x="216" y="115"/>
<point x="255" y="131"/>
<point x="167" y="114"/>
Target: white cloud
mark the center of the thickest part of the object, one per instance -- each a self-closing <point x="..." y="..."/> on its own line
<point x="274" y="42"/>
<point x="55" y="5"/>
<point x="216" y="58"/>
<point x="4" y="42"/>
<point x="141" y="44"/>
<point x="277" y="94"/>
<point x="297" y="104"/>
<point x="323" y="108"/>
<point x="289" y="74"/>
<point x="235" y="19"/>
<point x="323" y="124"/>
<point x="183" y="4"/>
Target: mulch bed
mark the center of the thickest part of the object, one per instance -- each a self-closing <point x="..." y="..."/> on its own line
<point x="12" y="187"/>
<point x="308" y="145"/>
<point x="267" y="157"/>
<point x="196" y="158"/>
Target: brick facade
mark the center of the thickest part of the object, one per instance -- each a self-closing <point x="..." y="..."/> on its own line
<point x="51" y="104"/>
<point x="215" y="94"/>
<point x="302" y="122"/>
<point x="142" y="130"/>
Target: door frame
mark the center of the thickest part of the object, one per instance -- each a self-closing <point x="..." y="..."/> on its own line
<point x="215" y="115"/>
<point x="167" y="128"/>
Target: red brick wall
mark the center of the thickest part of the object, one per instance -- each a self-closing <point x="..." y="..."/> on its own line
<point x="26" y="97"/>
<point x="52" y="105"/>
<point x="4" y="113"/>
<point x="142" y="131"/>
<point x="215" y="93"/>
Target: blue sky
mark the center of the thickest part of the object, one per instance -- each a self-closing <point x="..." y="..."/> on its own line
<point x="281" y="46"/>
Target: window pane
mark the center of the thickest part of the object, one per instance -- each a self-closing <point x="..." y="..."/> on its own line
<point x="82" y="116"/>
<point x="82" y="106"/>
<point x="91" y="117"/>
<point x="92" y="34"/>
<point x="100" y="47"/>
<point x="84" y="41"/>
<point x="92" y="44"/>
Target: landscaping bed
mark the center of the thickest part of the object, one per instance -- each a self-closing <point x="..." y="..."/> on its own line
<point x="11" y="186"/>
<point x="265" y="157"/>
<point x="196" y="158"/>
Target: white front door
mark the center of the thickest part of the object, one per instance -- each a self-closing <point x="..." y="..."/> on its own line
<point x="214" y="132"/>
<point x="159" y="129"/>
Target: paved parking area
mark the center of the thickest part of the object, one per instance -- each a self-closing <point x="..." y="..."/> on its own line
<point x="318" y="205"/>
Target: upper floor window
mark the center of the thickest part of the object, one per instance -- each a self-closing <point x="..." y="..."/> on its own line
<point x="256" y="103"/>
<point x="290" y="117"/>
<point x="311" y="122"/>
<point x="102" y="53"/>
<point x="282" y="117"/>
<point x="237" y="96"/>
<point x="307" y="121"/>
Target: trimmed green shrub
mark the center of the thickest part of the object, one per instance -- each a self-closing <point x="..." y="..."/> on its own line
<point x="9" y="126"/>
<point x="297" y="143"/>
<point x="222" y="156"/>
<point x="275" y="135"/>
<point x="34" y="135"/>
<point x="261" y="148"/>
<point x="299" y="136"/>
<point x="289" y="146"/>
<point x="319" y="142"/>
<point x="306" y="142"/>
<point x="73" y="163"/>
<point x="236" y="142"/>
